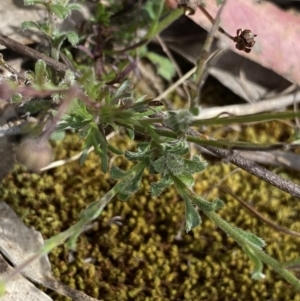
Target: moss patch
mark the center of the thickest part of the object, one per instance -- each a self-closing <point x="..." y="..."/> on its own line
<point x="147" y="255"/>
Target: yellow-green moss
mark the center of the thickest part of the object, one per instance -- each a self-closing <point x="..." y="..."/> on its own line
<point x="149" y="256"/>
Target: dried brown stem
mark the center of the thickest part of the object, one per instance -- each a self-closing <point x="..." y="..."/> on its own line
<point x="201" y="69"/>
<point x="211" y="19"/>
<point x="32" y="53"/>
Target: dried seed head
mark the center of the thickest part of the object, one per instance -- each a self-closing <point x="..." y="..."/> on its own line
<point x="34" y="153"/>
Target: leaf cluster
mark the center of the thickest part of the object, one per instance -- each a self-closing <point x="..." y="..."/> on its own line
<point x="98" y="98"/>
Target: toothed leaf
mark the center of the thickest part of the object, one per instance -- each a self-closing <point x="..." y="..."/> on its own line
<point x="197" y="164"/>
<point x="116" y="173"/>
<point x="158" y="187"/>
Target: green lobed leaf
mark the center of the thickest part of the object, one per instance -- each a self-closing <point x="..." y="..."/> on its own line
<point x="143" y="146"/>
<point x="46" y="29"/>
<point x="40" y="72"/>
<point x="152" y="170"/>
<point x="102" y="14"/>
<point x="192" y="217"/>
<point x="114" y="150"/>
<point x="203" y="204"/>
<point x="158" y="187"/>
<point x="134" y="185"/>
<point x="177" y="147"/>
<point x="187" y="179"/>
<point x="131" y="134"/>
<point x="89" y="141"/>
<point x="165" y="67"/>
<point x="159" y="165"/>
<point x="175" y="164"/>
<point x="75" y="6"/>
<point x="124" y="86"/>
<point x="134" y="156"/>
<point x="58" y="39"/>
<point x="178" y="121"/>
<point x="73" y="122"/>
<point x="152" y="8"/>
<point x="83" y="156"/>
<point x="71" y="243"/>
<point x="195" y="111"/>
<point x="104" y="158"/>
<point x="196" y="164"/>
<point x="100" y="145"/>
<point x="69" y="77"/>
<point x="123" y="196"/>
<point x="217" y="204"/>
<point x="116" y="173"/>
<point x="72" y="37"/>
<point x="125" y="97"/>
<point x="60" y="11"/>
<point x="251" y="238"/>
<point x="104" y="162"/>
<point x="257" y="273"/>
<point x="29" y="25"/>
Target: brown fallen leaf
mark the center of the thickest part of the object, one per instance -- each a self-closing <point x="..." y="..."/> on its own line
<point x="244" y="77"/>
<point x="276" y="47"/>
<point x="18" y="243"/>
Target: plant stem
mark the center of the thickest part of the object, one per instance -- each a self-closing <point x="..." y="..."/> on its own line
<point x="33" y="54"/>
<point x="233" y="157"/>
<point x="201" y="63"/>
<point x="164" y="23"/>
<point x="238" y="237"/>
<point x="274" y="264"/>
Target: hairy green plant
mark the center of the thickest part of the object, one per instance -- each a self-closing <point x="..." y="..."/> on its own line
<point x="60" y="9"/>
<point x="97" y="97"/>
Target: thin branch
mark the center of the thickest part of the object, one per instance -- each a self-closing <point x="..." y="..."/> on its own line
<point x="256" y="170"/>
<point x="235" y="158"/>
<point x="33" y="54"/>
<point x="201" y="69"/>
<point x="176" y="66"/>
<point x="211" y="19"/>
<point x="11" y="69"/>
<point x="266" y="105"/>
<point x="259" y="215"/>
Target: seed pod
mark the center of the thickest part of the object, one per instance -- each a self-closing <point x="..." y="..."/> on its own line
<point x="34" y="153"/>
